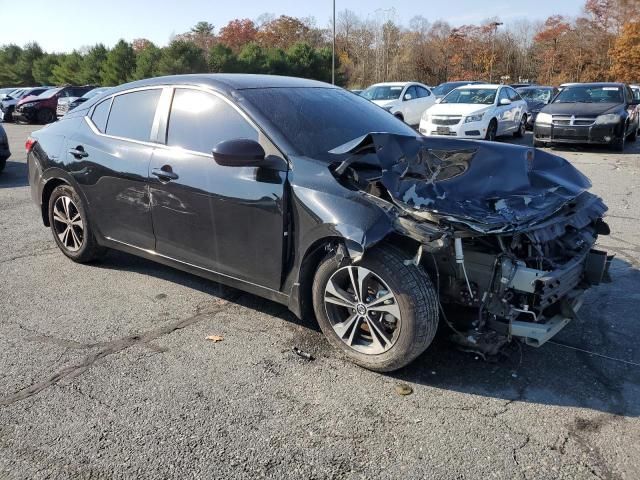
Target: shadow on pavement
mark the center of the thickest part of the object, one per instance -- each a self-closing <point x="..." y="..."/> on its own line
<point x="14" y="175"/>
<point x="553" y="375"/>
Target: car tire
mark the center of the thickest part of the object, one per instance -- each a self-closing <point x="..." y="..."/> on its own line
<point x="3" y="163"/>
<point x="619" y="144"/>
<point x="492" y="131"/>
<point x="634" y="136"/>
<point x="45" y="116"/>
<point x="522" y="128"/>
<point x="403" y="329"/>
<point x="70" y="226"/>
<point x="399" y="116"/>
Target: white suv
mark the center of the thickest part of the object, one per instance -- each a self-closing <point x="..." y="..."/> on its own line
<point x="406" y="100"/>
<point x="477" y="111"/>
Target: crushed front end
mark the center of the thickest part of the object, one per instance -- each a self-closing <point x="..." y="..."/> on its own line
<point x="507" y="232"/>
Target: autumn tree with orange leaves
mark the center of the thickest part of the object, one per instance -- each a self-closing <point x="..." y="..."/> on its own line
<point x="626" y="54"/>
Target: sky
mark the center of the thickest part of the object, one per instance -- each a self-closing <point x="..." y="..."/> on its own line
<point x="64" y="25"/>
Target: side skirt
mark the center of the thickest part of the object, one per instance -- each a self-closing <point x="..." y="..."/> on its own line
<point x="227" y="280"/>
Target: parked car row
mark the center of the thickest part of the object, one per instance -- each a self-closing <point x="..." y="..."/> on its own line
<point x="590" y="113"/>
<point x="41" y="104"/>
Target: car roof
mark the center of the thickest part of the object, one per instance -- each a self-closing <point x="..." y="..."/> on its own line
<point x="535" y="87"/>
<point x="482" y="85"/>
<point x="227" y="82"/>
<point x="595" y="84"/>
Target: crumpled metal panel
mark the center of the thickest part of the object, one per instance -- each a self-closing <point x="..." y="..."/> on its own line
<point x="489" y="187"/>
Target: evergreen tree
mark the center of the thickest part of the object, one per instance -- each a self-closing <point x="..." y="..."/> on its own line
<point x="90" y="70"/>
<point x="181" y="57"/>
<point x="67" y="71"/>
<point x="119" y="65"/>
<point x="147" y="60"/>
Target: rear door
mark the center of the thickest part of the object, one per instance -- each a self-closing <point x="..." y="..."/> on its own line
<point x="228" y="220"/>
<point x="111" y="152"/>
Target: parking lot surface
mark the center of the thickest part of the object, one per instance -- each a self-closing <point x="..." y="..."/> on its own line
<point x="106" y="372"/>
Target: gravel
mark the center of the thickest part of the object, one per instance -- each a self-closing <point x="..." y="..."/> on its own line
<point x="106" y="373"/>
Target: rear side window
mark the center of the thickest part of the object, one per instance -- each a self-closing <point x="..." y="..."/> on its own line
<point x="132" y="114"/>
<point x="200" y="120"/>
<point x="100" y="114"/>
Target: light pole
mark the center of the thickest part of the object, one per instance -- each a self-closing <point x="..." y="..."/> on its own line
<point x="495" y="26"/>
<point x="333" y="54"/>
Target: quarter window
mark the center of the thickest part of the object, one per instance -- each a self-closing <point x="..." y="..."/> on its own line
<point x="200" y="120"/>
<point x="100" y="115"/>
<point x="132" y="114"/>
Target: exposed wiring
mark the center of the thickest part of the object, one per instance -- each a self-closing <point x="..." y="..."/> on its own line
<point x="444" y="315"/>
<point x="571" y="347"/>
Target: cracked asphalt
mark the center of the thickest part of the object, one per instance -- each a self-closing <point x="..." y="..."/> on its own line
<point x="106" y="373"/>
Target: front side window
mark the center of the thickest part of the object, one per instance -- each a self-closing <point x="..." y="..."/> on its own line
<point x="200" y="120"/>
<point x="412" y="91"/>
<point x="513" y="95"/>
<point x="503" y="95"/>
<point x="132" y="114"/>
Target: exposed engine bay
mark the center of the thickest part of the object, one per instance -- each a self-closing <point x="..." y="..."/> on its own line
<point x="509" y="232"/>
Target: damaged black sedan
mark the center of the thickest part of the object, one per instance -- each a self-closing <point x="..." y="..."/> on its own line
<point x="313" y="197"/>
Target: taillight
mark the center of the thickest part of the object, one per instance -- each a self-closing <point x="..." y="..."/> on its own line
<point x="29" y="144"/>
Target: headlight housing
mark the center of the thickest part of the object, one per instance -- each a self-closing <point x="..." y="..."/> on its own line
<point x="474" y="118"/>
<point x="29" y="104"/>
<point x="544" y="118"/>
<point x="609" y="118"/>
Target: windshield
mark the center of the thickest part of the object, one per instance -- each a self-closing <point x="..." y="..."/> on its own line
<point x="49" y="93"/>
<point x="382" y="92"/>
<point x="589" y="94"/>
<point x="542" y="95"/>
<point x="481" y="96"/>
<point x="316" y="120"/>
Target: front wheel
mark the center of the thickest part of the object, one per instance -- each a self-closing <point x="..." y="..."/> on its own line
<point x="492" y="131"/>
<point x="619" y="144"/>
<point x="382" y="313"/>
<point x="70" y="227"/>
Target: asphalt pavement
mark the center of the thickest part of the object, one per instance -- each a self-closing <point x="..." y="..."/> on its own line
<point x="106" y="372"/>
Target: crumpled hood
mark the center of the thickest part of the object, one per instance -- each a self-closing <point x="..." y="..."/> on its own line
<point x="489" y="187"/>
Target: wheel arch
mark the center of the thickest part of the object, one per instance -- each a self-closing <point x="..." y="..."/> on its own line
<point x="47" y="190"/>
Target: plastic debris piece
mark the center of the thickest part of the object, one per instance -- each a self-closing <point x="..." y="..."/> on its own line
<point x="215" y="338"/>
<point x="302" y="354"/>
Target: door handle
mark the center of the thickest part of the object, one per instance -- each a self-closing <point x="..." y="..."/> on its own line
<point x="165" y="173"/>
<point x="78" y="152"/>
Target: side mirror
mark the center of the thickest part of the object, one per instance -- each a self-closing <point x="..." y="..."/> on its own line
<point x="240" y="152"/>
<point x="407" y="97"/>
<point x="505" y="101"/>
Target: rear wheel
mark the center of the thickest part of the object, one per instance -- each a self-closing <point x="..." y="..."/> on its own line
<point x="381" y="312"/>
<point x="492" y="131"/>
<point x="399" y="116"/>
<point x="70" y="227"/>
<point x="522" y="128"/>
<point x="3" y="162"/>
<point x="634" y="135"/>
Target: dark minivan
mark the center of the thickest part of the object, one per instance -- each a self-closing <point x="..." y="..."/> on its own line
<point x="590" y="113"/>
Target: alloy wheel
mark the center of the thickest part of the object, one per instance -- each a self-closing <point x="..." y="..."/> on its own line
<point x="362" y="310"/>
<point x="67" y="223"/>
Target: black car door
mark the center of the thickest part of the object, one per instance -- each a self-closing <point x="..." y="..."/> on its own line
<point x="112" y="150"/>
<point x="225" y="219"/>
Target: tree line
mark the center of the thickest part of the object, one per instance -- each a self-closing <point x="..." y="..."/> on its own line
<point x="601" y="44"/>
